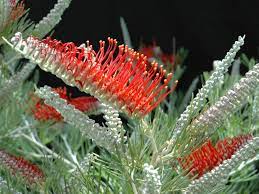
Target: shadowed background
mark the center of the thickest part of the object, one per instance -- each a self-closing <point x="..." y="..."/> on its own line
<point x="206" y="28"/>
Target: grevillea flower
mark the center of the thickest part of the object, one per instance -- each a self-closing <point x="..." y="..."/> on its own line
<point x="116" y="75"/>
<point x="154" y="52"/>
<point x="17" y="11"/>
<point x="219" y="176"/>
<point x="44" y="112"/>
<point x="21" y="167"/>
<point x="208" y="156"/>
<point x="14" y="11"/>
<point x="12" y="2"/>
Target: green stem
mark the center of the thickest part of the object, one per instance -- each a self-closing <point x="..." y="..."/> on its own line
<point x="33" y="140"/>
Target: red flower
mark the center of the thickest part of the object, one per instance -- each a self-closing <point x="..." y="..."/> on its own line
<point x="167" y="58"/>
<point x="206" y="157"/>
<point x="84" y="104"/>
<point x="44" y="112"/>
<point x="154" y="51"/>
<point x="17" y="10"/>
<point x="116" y="75"/>
<point x="19" y="166"/>
<point x="151" y="51"/>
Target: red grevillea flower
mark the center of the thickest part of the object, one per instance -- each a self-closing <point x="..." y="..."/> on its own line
<point x="116" y="75"/>
<point x="19" y="166"/>
<point x="44" y="112"/>
<point x="154" y="51"/>
<point x="208" y="156"/>
<point x="85" y="104"/>
<point x="16" y="12"/>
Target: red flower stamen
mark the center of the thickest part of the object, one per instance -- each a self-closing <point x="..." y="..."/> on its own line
<point x="44" y="112"/>
<point x="19" y="166"/>
<point x="206" y="157"/>
<point x="120" y="79"/>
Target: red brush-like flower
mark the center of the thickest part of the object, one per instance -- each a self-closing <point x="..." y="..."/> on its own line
<point x="16" y="12"/>
<point x="151" y="51"/>
<point x="168" y="58"/>
<point x="21" y="167"/>
<point x="85" y="104"/>
<point x="44" y="112"/>
<point x="154" y="51"/>
<point x="116" y="75"/>
<point x="208" y="156"/>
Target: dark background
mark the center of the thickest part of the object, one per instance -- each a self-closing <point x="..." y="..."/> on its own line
<point x="206" y="28"/>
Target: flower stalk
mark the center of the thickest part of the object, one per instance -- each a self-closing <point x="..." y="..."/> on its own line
<point x="151" y="183"/>
<point x="44" y="112"/>
<point x="200" y="99"/>
<point x="52" y="19"/>
<point x="102" y="137"/>
<point x="212" y="118"/>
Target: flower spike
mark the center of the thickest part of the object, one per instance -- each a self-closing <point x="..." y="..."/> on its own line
<point x="19" y="166"/>
<point x="206" y="157"/>
<point x="218" y="176"/>
<point x="116" y="75"/>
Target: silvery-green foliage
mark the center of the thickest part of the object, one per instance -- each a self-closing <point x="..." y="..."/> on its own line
<point x="5" y="9"/>
<point x="52" y="19"/>
<point x="4" y="185"/>
<point x="198" y="102"/>
<point x="15" y="81"/>
<point x="83" y="168"/>
<point x="125" y="33"/>
<point x="120" y="170"/>
<point x="101" y="135"/>
<point x="151" y="183"/>
<point x="255" y="113"/>
<point x="113" y="121"/>
<point x="227" y="104"/>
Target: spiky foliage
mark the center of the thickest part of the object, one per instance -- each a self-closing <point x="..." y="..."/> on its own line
<point x="52" y="19"/>
<point x="200" y="99"/>
<point x="226" y="105"/>
<point x="13" y="83"/>
<point x="151" y="182"/>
